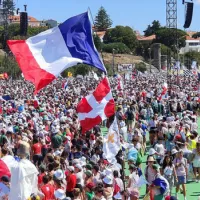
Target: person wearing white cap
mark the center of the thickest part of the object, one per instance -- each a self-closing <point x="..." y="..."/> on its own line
<point x="58" y="174"/>
<point x="108" y="187"/>
<point x="60" y="195"/>
<point x="118" y="196"/>
<point x="71" y="181"/>
<point x="79" y="174"/>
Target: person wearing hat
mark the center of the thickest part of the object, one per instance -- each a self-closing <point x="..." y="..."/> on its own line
<point x="180" y="164"/>
<point x="118" y="196"/>
<point x="88" y="177"/>
<point x="89" y="187"/>
<point x="108" y="187"/>
<point x="71" y="182"/>
<point x="149" y="172"/>
<point x="60" y="195"/>
<point x="79" y="174"/>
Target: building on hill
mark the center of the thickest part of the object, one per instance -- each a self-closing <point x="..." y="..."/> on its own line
<point x="147" y="39"/>
<point x="33" y="22"/>
<point x="51" y="23"/>
<point x="100" y="34"/>
<point x="191" y="33"/>
<point x="192" y="44"/>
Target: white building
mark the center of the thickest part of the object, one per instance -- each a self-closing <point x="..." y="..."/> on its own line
<point x="192" y="44"/>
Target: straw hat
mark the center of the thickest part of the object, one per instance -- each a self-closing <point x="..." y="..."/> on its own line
<point x="151" y="159"/>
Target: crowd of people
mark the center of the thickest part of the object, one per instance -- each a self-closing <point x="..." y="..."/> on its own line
<point x="45" y="130"/>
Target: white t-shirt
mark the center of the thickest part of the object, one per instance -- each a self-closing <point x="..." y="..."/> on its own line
<point x="160" y="149"/>
<point x="168" y="171"/>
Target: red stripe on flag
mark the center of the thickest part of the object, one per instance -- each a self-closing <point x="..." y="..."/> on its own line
<point x="29" y="66"/>
<point x="89" y="123"/>
<point x="84" y="106"/>
<point x="4" y="170"/>
<point x="102" y="90"/>
<point x="110" y="108"/>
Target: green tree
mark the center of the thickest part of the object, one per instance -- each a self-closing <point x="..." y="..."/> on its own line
<point x="191" y="56"/>
<point x="8" y="8"/>
<point x="119" y="48"/>
<point x="141" y="67"/>
<point x="152" y="29"/>
<point x="123" y="34"/>
<point x="196" y="35"/>
<point x="164" y="49"/>
<point x="166" y="36"/>
<point x="8" y="64"/>
<point x="102" y="20"/>
<point x="97" y="42"/>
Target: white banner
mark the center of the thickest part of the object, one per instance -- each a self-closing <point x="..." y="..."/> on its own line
<point x="125" y="67"/>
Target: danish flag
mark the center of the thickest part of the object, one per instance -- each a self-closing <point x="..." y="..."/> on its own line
<point x="96" y="107"/>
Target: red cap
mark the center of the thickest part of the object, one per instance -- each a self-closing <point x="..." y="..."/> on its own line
<point x="105" y="162"/>
<point x="167" y="198"/>
<point x="90" y="185"/>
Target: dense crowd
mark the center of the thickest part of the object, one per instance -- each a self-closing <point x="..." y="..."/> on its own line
<point x="69" y="164"/>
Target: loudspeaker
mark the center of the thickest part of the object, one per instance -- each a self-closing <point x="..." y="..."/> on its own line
<point x="188" y="15"/>
<point x="23" y="23"/>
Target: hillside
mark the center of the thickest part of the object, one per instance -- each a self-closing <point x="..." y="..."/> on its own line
<point x="120" y="58"/>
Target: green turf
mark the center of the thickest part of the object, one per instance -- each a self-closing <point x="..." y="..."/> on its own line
<point x="193" y="188"/>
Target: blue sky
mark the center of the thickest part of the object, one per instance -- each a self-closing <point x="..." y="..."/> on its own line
<point x="134" y="13"/>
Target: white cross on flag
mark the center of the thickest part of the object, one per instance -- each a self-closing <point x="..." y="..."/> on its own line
<point x="96" y="107"/>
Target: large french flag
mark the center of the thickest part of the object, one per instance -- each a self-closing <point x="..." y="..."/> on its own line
<point x="43" y="57"/>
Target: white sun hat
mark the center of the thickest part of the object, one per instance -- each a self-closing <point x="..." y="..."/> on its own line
<point x="60" y="194"/>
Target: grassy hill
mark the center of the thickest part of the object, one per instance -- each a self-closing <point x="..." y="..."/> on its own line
<point x="120" y="58"/>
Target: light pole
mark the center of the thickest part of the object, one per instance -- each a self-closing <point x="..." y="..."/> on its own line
<point x="113" y="54"/>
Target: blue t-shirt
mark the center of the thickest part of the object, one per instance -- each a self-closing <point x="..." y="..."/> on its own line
<point x="144" y="128"/>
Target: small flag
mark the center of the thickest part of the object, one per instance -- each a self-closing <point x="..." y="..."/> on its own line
<point x="199" y="76"/>
<point x="194" y="65"/>
<point x="65" y="85"/>
<point x="43" y="57"/>
<point x="69" y="74"/>
<point x="187" y="72"/>
<point x="6" y="97"/>
<point x="111" y="145"/>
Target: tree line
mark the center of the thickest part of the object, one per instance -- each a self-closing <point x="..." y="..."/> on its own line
<point x="118" y="39"/>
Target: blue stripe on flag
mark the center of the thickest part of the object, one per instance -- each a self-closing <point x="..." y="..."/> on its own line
<point x="77" y="34"/>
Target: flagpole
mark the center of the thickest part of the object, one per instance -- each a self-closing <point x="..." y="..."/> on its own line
<point x="89" y="12"/>
<point x="123" y="163"/>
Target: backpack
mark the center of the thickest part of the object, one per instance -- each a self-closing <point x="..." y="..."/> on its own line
<point x="130" y="115"/>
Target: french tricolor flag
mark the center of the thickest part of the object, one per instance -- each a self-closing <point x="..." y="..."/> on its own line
<point x="43" y="57"/>
<point x="65" y="85"/>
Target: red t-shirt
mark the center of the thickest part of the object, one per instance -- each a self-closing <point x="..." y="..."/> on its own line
<point x="37" y="149"/>
<point x="48" y="191"/>
<point x="40" y="176"/>
<point x="71" y="182"/>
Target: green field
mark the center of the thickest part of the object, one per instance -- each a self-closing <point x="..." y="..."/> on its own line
<point x="193" y="188"/>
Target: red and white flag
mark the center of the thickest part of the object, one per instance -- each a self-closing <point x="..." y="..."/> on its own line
<point x="96" y="107"/>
